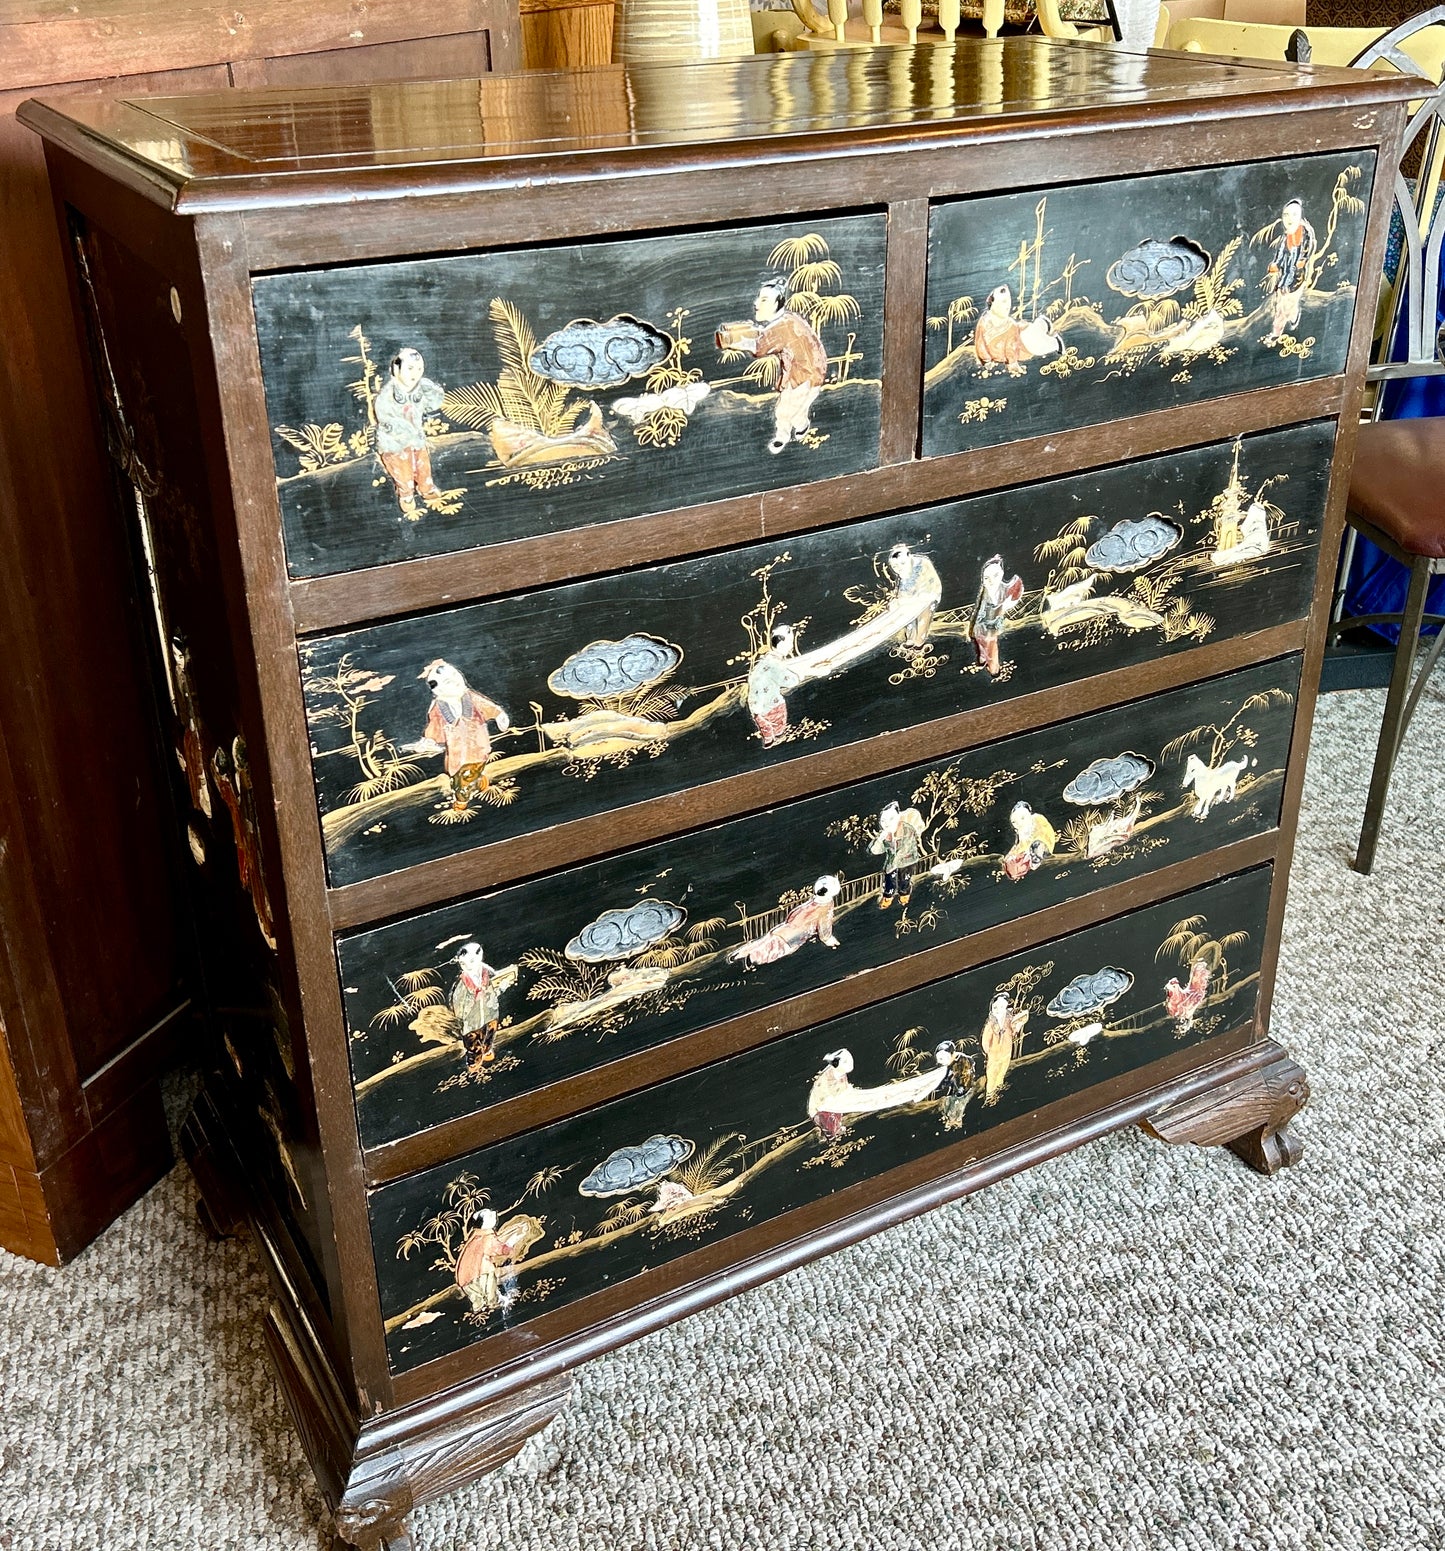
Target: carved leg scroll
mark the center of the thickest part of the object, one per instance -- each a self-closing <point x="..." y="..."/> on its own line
<point x="1249" y="1114"/>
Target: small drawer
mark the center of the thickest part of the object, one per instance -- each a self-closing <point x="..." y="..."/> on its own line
<point x="449" y="731"/>
<point x="495" y="1238"/>
<point x="1066" y="307"/>
<point x="488" y="1000"/>
<point x="443" y="404"/>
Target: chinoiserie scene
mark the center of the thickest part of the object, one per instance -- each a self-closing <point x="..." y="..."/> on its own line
<point x="721" y="789"/>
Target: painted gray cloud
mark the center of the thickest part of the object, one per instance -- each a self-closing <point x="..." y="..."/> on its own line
<point x="1134" y="543"/>
<point x="634" y="1168"/>
<point x="1106" y="780"/>
<point x="1090" y="993"/>
<point x="606" y="668"/>
<point x="588" y="354"/>
<point x="621" y="934"/>
<point x="1158" y="268"/>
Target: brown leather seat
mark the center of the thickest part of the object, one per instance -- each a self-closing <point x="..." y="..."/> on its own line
<point x="1398" y="483"/>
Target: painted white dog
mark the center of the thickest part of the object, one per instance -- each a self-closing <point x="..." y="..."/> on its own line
<point x="1212" y="785"/>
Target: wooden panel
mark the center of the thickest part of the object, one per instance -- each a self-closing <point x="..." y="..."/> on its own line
<point x="589" y="698"/>
<point x="42" y="44"/>
<point x="98" y="832"/>
<point x="455" y="53"/>
<point x="443" y="404"/>
<point x="24" y="1220"/>
<point x="559" y="35"/>
<point x="1065" y="307"/>
<point x="489" y="999"/>
<point x="14" y="1138"/>
<point x="591" y="1201"/>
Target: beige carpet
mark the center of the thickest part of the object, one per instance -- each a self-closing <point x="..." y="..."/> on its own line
<point x="1135" y="1347"/>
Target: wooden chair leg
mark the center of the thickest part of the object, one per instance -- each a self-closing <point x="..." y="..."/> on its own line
<point x="1392" y="728"/>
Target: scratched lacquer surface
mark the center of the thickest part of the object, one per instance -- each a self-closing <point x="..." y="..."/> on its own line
<point x="1075" y="306"/>
<point x="440" y="404"/>
<point x="493" y="997"/>
<point x="443" y="732"/>
<point x="496" y="1237"/>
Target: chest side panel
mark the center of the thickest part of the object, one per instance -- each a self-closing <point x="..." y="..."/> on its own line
<point x="1059" y="308"/>
<point x="491" y="998"/>
<point x="447" y="731"/>
<point x="443" y="404"/>
<point x="497" y="1237"/>
<point x="139" y="340"/>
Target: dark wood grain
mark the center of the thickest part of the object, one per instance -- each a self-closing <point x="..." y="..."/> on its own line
<point x="258" y="556"/>
<point x="903" y="326"/>
<point x="1250" y="1116"/>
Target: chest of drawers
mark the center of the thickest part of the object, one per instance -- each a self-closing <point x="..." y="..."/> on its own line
<point x="752" y="630"/>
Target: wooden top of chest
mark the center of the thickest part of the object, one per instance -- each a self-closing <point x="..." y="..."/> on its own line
<point x="255" y="149"/>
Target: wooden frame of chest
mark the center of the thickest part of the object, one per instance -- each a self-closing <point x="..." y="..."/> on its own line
<point x="729" y="723"/>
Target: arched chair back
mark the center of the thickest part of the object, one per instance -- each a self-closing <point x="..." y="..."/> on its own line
<point x="1399" y="465"/>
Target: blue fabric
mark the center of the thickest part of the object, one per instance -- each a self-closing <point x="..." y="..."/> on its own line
<point x="1377" y="583"/>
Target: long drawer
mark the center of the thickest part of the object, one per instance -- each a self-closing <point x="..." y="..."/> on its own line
<point x="443" y="404"/>
<point x="521" y="1229"/>
<point x="1066" y="307"/>
<point x="487" y="1000"/>
<point x="448" y="731"/>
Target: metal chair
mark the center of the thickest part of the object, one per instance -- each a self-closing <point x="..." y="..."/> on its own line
<point x="1399" y="471"/>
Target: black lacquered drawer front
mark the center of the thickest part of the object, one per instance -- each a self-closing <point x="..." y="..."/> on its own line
<point x="454" y="730"/>
<point x="513" y="1231"/>
<point x="443" y="404"/>
<point x="1066" y="307"/>
<point x="493" y="998"/>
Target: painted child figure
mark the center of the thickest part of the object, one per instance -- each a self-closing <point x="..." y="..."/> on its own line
<point x="900" y="843"/>
<point x="1034" y="839"/>
<point x="456" y="726"/>
<point x="997" y="599"/>
<point x="1288" y="271"/>
<point x="401" y="408"/>
<point x="813" y="918"/>
<point x="769" y="679"/>
<point x="802" y="359"/>
<point x="477" y="1002"/>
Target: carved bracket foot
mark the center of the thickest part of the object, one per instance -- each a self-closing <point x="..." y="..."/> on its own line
<point x="1248" y="1113"/>
<point x="384" y="1487"/>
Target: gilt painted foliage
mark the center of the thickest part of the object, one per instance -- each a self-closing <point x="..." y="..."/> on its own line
<point x="497" y="1237"/>
<point x="439" y="733"/>
<point x="440" y="404"/>
<point x="1050" y="310"/>
<point x="490" y="998"/>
